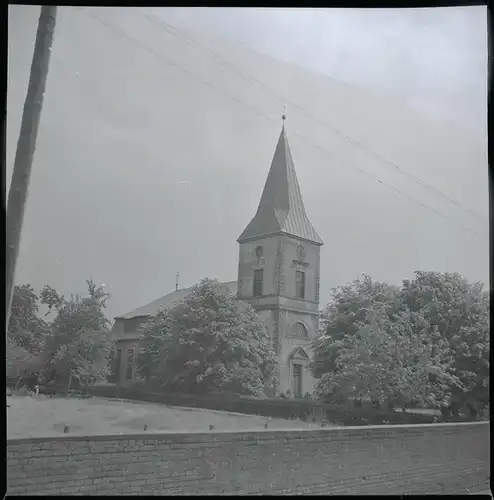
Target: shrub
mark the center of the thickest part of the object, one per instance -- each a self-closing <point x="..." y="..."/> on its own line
<point x="270" y="407"/>
<point x="22" y="391"/>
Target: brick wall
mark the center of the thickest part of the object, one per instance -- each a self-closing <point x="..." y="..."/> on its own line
<point x="429" y="458"/>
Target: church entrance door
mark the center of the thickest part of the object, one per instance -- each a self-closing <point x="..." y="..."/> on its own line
<point x="297" y="381"/>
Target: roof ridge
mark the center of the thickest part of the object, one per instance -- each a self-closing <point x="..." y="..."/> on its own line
<point x="153" y="307"/>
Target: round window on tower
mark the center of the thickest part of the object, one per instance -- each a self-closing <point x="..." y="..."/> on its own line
<point x="259" y="252"/>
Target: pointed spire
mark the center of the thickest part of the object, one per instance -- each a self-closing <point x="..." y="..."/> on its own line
<point x="281" y="209"/>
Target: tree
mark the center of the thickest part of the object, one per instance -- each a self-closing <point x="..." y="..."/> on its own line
<point x="17" y="360"/>
<point x="210" y="341"/>
<point x="26" y="334"/>
<point x="51" y="298"/>
<point x="344" y="316"/>
<point x="84" y="358"/>
<point x="154" y="334"/>
<point x="438" y="314"/>
<point x="387" y="357"/>
<point x="459" y="312"/>
<point x="80" y="343"/>
<point x="25" y="326"/>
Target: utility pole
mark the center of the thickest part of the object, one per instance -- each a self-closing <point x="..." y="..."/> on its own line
<point x="26" y="144"/>
<point x="176" y="282"/>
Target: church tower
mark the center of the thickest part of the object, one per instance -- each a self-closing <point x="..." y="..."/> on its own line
<point x="278" y="271"/>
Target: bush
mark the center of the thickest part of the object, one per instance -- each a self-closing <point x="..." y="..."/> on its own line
<point x="10" y="382"/>
<point x="22" y="391"/>
<point x="302" y="409"/>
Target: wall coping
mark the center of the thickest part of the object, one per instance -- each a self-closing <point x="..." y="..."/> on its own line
<point x="253" y="433"/>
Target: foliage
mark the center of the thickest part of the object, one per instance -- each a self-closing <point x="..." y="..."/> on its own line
<point x="425" y="343"/>
<point x="24" y="324"/>
<point x="265" y="406"/>
<point x="210" y="341"/>
<point x="154" y="334"/>
<point x="459" y="311"/>
<point x="25" y="334"/>
<point x="77" y="313"/>
<point x="51" y="298"/>
<point x="22" y="391"/>
<point x="80" y="342"/>
<point x="85" y="357"/>
<point x="343" y="317"/>
<point x="387" y="357"/>
<point x="17" y="359"/>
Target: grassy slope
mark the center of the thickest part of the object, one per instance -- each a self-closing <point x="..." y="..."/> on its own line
<point x="41" y="416"/>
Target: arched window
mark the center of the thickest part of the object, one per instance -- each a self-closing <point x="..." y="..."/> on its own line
<point x="299" y="330"/>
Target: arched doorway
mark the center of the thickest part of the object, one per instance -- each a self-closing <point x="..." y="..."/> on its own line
<point x="298" y="361"/>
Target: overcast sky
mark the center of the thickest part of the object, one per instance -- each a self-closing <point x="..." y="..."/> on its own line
<point x="151" y="155"/>
<point x="435" y="58"/>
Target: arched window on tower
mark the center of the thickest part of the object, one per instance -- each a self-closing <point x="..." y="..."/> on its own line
<point x="299" y="330"/>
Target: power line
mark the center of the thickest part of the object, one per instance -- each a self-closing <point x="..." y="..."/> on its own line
<point x="177" y="33"/>
<point x="255" y="110"/>
<point x="169" y="61"/>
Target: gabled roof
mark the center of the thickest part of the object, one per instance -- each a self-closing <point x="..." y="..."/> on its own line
<point x="281" y="209"/>
<point x="168" y="301"/>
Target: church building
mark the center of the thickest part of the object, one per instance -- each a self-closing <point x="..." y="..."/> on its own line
<point x="278" y="275"/>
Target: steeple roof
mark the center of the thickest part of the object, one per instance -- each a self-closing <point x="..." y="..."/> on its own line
<point x="281" y="209"/>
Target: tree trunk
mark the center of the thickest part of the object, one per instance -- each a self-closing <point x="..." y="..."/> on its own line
<point x="68" y="385"/>
<point x="17" y="383"/>
<point x="472" y="411"/>
<point x="455" y="407"/>
<point x="390" y="403"/>
<point x="376" y="404"/>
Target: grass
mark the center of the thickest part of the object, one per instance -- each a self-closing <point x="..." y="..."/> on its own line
<point x="41" y="416"/>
